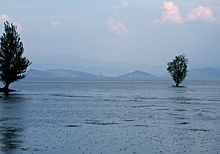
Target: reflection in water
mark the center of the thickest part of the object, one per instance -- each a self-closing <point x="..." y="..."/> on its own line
<point x="11" y="124"/>
<point x="10" y="138"/>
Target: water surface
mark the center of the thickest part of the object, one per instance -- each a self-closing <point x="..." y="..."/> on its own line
<point x="66" y="115"/>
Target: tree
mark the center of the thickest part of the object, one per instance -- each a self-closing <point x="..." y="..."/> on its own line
<point x="12" y="64"/>
<point x="178" y="68"/>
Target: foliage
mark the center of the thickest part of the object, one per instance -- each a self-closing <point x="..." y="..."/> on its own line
<point x="12" y="64"/>
<point x="178" y="68"/>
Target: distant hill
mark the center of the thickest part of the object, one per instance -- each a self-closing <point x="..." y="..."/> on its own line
<point x="137" y="74"/>
<point x="90" y="65"/>
<point x="59" y="73"/>
<point x="205" y="73"/>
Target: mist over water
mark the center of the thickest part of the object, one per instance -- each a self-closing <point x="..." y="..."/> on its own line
<point x="66" y="115"/>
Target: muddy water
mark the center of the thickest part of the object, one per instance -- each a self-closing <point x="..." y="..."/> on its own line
<point x="63" y="115"/>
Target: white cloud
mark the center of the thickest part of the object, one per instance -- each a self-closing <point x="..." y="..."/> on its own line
<point x="201" y="12"/>
<point x="124" y="4"/>
<point x="171" y="14"/>
<point x="56" y="23"/>
<point x="4" y="17"/>
<point x="117" y="27"/>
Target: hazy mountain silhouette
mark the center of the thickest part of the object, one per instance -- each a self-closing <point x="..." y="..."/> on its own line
<point x="137" y="74"/>
<point x="90" y="65"/>
<point x="80" y="74"/>
<point x="60" y="73"/>
<point x="94" y="66"/>
<point x="205" y="73"/>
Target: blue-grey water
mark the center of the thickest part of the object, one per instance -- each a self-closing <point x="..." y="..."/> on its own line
<point x="66" y="115"/>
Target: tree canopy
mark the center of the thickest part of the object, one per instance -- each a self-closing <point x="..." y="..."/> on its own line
<point x="178" y="68"/>
<point x="12" y="65"/>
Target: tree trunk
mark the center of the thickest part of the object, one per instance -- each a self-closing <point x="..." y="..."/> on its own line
<point x="177" y="84"/>
<point x="6" y="88"/>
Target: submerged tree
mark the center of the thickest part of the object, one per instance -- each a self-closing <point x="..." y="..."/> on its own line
<point x="12" y="64"/>
<point x="178" y="68"/>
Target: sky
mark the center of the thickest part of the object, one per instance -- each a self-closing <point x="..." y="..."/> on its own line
<point x="149" y="32"/>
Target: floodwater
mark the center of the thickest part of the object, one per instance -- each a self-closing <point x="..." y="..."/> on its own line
<point x="66" y="115"/>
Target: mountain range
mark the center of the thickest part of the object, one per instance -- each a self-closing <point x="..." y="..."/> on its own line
<point x="90" y="65"/>
<point x="59" y="73"/>
<point x="204" y="73"/>
<point x="61" y="65"/>
<point x="137" y="74"/>
<point x="80" y="74"/>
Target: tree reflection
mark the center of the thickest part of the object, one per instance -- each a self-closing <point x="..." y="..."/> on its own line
<point x="10" y="139"/>
<point x="11" y="126"/>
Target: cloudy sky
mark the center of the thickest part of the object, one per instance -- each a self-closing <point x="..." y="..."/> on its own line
<point x="136" y="31"/>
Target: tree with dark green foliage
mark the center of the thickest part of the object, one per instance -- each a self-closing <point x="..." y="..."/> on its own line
<point x="12" y="65"/>
<point x="178" y="68"/>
